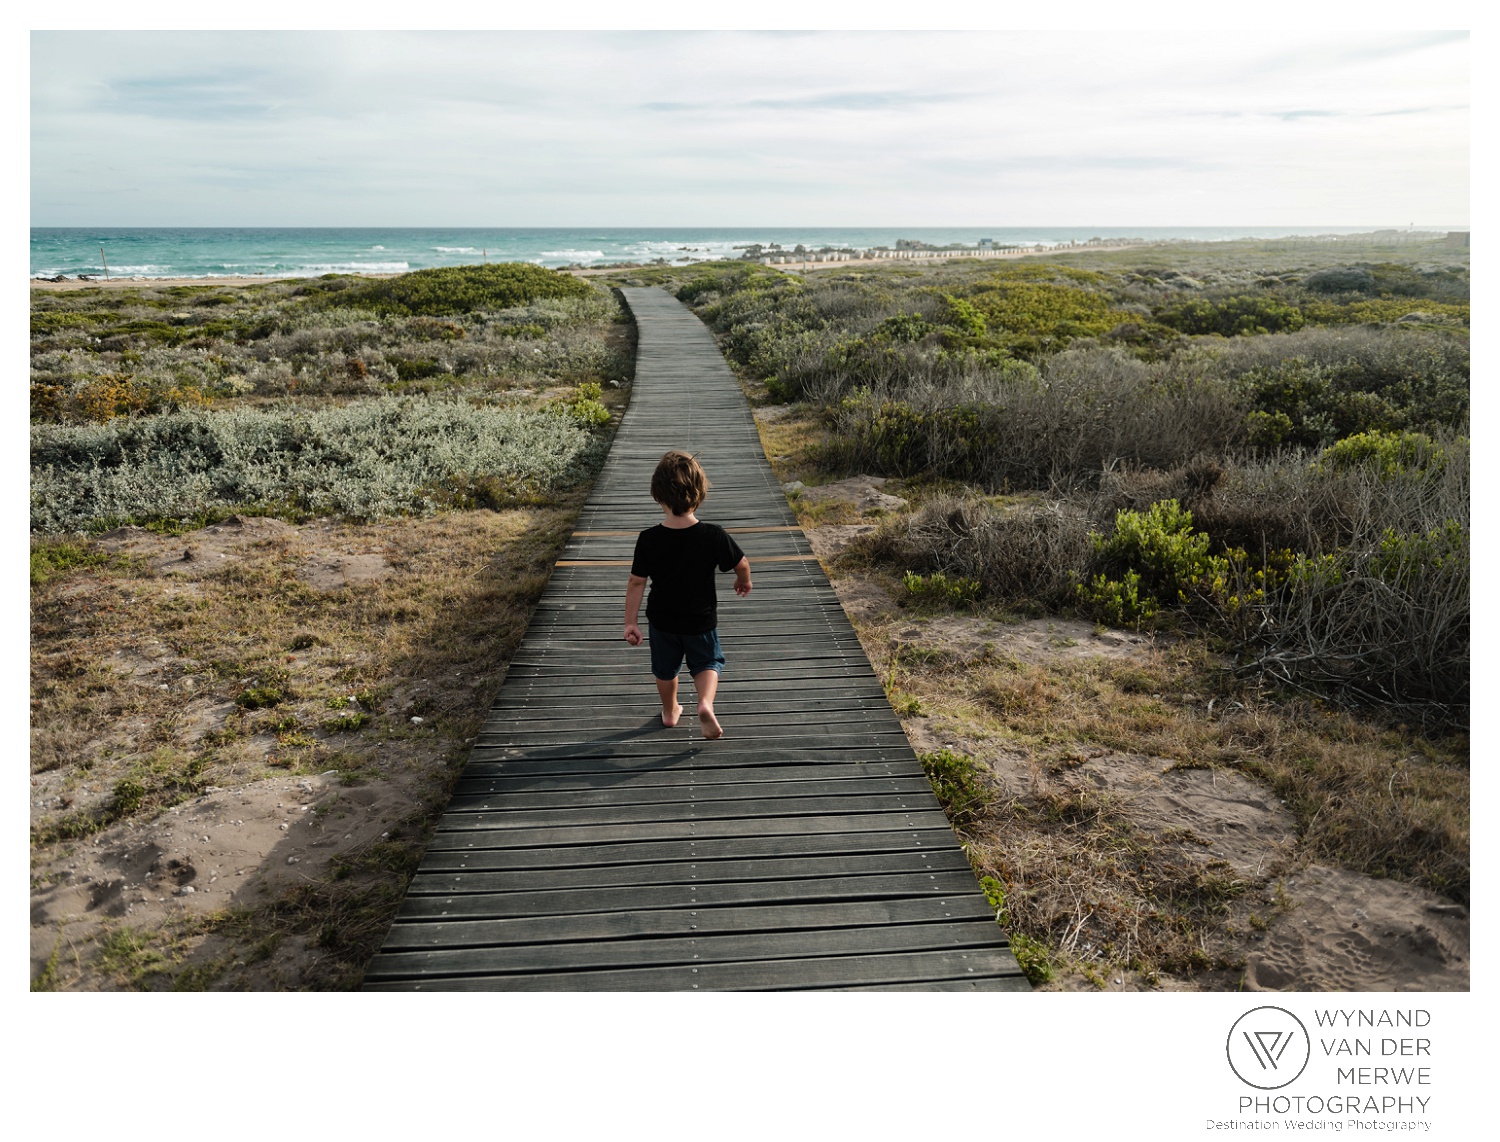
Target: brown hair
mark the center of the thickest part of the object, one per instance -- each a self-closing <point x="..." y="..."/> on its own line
<point x="679" y="482"/>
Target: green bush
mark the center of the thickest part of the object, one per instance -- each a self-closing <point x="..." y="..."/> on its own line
<point x="894" y="434"/>
<point x="964" y="317"/>
<point x="1118" y="602"/>
<point x="1153" y="558"/>
<point x="1029" y="317"/>
<point x="960" y="784"/>
<point x="1348" y="279"/>
<point x="129" y="796"/>
<point x="1389" y="454"/>
<point x="1033" y="958"/>
<point x="585" y="407"/>
<point x="1404" y="559"/>
<point x="905" y="327"/>
<point x="417" y="368"/>
<point x="460" y="289"/>
<point x="938" y="588"/>
<point x="1161" y="545"/>
<point x="527" y="330"/>
<point x="1232" y="316"/>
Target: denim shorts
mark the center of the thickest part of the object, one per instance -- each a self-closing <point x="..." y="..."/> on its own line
<point x="668" y="650"/>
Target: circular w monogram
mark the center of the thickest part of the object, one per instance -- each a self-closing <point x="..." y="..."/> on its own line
<point x="1268" y="1047"/>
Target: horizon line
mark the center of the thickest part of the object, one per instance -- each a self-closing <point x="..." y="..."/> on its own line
<point x="756" y="226"/>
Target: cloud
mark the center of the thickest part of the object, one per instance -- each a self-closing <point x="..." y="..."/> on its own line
<point x="550" y="128"/>
<point x="202" y="97"/>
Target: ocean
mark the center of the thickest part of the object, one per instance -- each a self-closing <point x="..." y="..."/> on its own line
<point x="205" y="252"/>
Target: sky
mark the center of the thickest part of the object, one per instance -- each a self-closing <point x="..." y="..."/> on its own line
<point x="813" y="128"/>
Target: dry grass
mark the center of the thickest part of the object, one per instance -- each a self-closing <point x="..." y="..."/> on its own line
<point x="1102" y="892"/>
<point x="150" y="687"/>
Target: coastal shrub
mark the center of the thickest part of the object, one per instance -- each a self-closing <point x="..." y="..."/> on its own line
<point x="460" y="289"/>
<point x="1386" y="623"/>
<point x="1393" y="280"/>
<point x="585" y="407"/>
<point x="1027" y="555"/>
<point x="1119" y="602"/>
<point x="1153" y="558"/>
<point x="1312" y="530"/>
<point x="1336" y="382"/>
<point x="960" y="785"/>
<point x="902" y="327"/>
<point x="412" y="369"/>
<point x="1357" y="577"/>
<point x="1389" y="454"/>
<point x="1009" y="425"/>
<point x="1371" y="310"/>
<point x="1348" y="279"/>
<point x="1231" y="317"/>
<point x="370" y="458"/>
<point x="1032" y="317"/>
<point x="528" y="330"/>
<point x="1310" y="404"/>
<point x="964" y="317"/>
<point x="301" y="344"/>
<point x="938" y="588"/>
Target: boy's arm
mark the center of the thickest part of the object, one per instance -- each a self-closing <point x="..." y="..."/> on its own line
<point x="634" y="590"/>
<point x="742" y="576"/>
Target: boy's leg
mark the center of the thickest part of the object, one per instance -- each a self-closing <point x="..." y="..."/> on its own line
<point x="666" y="661"/>
<point x="671" y="710"/>
<point x="704" y="657"/>
<point x="706" y="682"/>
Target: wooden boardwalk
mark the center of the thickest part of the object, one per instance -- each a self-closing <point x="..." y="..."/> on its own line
<point x="587" y="848"/>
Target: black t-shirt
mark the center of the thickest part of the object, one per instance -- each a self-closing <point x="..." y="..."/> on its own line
<point x="680" y="563"/>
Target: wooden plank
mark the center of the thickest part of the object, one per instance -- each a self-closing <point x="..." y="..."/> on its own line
<point x="495" y="813"/>
<point x="760" y="946"/>
<point x="698" y="922"/>
<point x="699" y="754"/>
<point x="600" y="857"/>
<point x="460" y="830"/>
<point x="605" y="783"/>
<point x="498" y="905"/>
<point x="975" y="964"/>
<point x="469" y="881"/>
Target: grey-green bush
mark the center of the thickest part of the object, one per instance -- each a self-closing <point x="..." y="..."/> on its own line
<point x="371" y="458"/>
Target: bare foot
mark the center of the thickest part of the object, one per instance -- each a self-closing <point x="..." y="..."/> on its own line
<point x="710" y="724"/>
<point x="670" y="720"/>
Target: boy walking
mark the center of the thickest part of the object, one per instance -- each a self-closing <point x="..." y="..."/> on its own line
<point x="679" y="556"/>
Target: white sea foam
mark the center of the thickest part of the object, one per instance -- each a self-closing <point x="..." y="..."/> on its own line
<point x="573" y="254"/>
<point x="455" y="249"/>
<point x="357" y="268"/>
<point x="374" y="248"/>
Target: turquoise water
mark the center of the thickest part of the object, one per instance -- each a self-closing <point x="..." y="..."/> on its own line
<point x="155" y="252"/>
